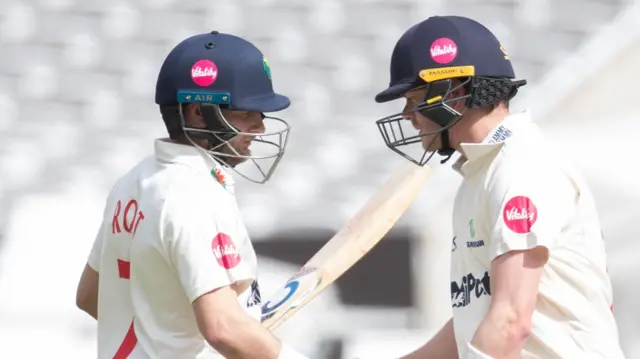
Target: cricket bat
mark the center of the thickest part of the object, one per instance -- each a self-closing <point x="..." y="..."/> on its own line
<point x="363" y="231"/>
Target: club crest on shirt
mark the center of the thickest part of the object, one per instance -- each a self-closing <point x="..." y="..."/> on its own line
<point x="217" y="174"/>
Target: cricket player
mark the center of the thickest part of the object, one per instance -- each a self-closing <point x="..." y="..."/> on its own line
<point x="528" y="268"/>
<point x="172" y="272"/>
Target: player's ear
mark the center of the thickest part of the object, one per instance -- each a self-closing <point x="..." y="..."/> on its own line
<point x="194" y="116"/>
<point x="459" y="89"/>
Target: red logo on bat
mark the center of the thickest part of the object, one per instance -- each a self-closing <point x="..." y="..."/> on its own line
<point x="225" y="251"/>
<point x="520" y="214"/>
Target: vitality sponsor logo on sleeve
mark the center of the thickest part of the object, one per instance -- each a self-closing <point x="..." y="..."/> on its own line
<point x="520" y="214"/>
<point x="469" y="287"/>
<point x="225" y="251"/>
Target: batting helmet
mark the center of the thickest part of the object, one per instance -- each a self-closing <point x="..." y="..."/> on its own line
<point x="220" y="71"/>
<point x="430" y="55"/>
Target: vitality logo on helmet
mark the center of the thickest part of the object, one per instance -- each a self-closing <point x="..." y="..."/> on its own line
<point x="204" y="73"/>
<point x="444" y="50"/>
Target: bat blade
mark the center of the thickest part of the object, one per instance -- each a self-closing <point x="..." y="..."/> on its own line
<point x="361" y="233"/>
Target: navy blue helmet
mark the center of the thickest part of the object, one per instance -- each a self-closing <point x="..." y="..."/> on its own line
<point x="430" y="55"/>
<point x="217" y="72"/>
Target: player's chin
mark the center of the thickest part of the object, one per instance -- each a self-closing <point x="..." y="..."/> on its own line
<point x="244" y="155"/>
<point x="237" y="155"/>
<point x="244" y="151"/>
<point x="430" y="144"/>
<point x="233" y="161"/>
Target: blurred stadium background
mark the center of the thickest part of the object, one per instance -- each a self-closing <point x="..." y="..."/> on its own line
<point x="76" y="111"/>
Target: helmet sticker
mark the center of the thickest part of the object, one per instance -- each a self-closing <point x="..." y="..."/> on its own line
<point x="265" y="66"/>
<point x="204" y="73"/>
<point x="504" y="51"/>
<point x="520" y="214"/>
<point x="443" y="50"/>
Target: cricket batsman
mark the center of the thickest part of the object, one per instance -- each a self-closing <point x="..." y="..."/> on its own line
<point x="172" y="272"/>
<point x="528" y="268"/>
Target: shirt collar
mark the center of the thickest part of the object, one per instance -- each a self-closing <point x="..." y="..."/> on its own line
<point x="493" y="141"/>
<point x="194" y="157"/>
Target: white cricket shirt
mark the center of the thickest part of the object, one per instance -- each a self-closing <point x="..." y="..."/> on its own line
<point x="171" y="232"/>
<point x="518" y="192"/>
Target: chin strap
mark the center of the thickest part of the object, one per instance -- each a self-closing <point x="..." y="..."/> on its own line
<point x="446" y="149"/>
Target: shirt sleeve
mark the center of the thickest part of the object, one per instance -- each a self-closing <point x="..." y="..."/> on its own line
<point x="529" y="205"/>
<point x="96" y="250"/>
<point x="199" y="240"/>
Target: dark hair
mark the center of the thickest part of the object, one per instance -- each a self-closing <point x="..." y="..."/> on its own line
<point x="172" y="120"/>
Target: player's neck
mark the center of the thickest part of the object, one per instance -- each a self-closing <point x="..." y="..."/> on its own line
<point x="479" y="125"/>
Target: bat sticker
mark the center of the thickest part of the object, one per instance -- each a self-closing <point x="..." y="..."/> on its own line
<point x="288" y="297"/>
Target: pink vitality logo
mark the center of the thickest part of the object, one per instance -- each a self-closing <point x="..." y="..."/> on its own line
<point x="225" y="251"/>
<point x="204" y="73"/>
<point x="443" y="50"/>
<point x="520" y="214"/>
